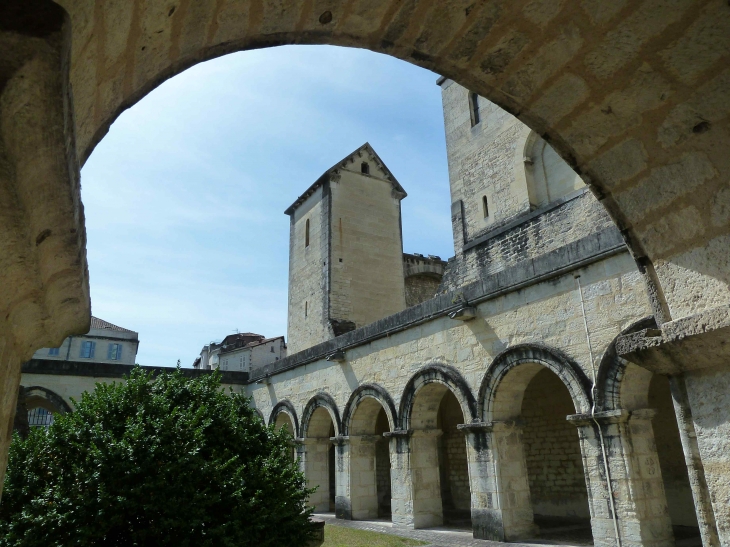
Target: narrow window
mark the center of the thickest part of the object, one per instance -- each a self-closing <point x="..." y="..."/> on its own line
<point x="306" y="234"/>
<point x="114" y="352"/>
<point x="305" y="309"/>
<point x="272" y="349"/>
<point x="485" y="206"/>
<point x="53" y="351"/>
<point x="474" y="108"/>
<point x="365" y="168"/>
<point x="87" y="350"/>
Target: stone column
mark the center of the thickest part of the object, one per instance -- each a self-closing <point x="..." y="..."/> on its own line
<point x="357" y="496"/>
<point x="485" y="517"/>
<point x="313" y="462"/>
<point x="426" y="481"/>
<point x="9" y="383"/>
<point x="510" y="516"/>
<point x="693" y="459"/>
<point x="401" y="486"/>
<point x="636" y="491"/>
<point x="415" y="481"/>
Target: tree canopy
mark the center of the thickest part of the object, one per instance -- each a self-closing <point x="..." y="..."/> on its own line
<point x="155" y="461"/>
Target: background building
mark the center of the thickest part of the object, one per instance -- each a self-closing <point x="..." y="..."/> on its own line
<point x="242" y="352"/>
<point x="104" y="343"/>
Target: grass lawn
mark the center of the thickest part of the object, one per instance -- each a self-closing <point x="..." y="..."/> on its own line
<point x="339" y="536"/>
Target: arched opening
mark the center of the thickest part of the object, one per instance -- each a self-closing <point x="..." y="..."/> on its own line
<point x="549" y="177"/>
<point x="539" y="455"/>
<point x="441" y="493"/>
<point x="42" y="405"/>
<point x="554" y="462"/>
<point x="369" y="474"/>
<point x="453" y="465"/>
<point x="673" y="464"/>
<point x="319" y="460"/>
<point x="283" y="420"/>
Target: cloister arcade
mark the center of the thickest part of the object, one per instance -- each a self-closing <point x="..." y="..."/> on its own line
<point x="523" y="452"/>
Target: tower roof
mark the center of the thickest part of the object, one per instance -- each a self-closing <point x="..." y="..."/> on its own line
<point x="340" y="165"/>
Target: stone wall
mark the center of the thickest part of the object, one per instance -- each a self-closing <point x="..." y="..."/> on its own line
<point x="420" y="288"/>
<point x="526" y="237"/>
<point x="308" y="304"/>
<point x="366" y="247"/>
<point x="552" y="449"/>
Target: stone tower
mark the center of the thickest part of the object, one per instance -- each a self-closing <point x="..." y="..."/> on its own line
<point x="345" y="250"/>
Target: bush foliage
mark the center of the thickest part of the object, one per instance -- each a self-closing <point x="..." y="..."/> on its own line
<point x="155" y="461"/>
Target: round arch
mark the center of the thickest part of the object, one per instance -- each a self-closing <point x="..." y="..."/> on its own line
<point x="287" y="408"/>
<point x="621" y="383"/>
<point x="325" y="401"/>
<point x="369" y="391"/>
<point x="443" y="375"/>
<point x="41" y="397"/>
<point x="522" y="362"/>
<point x="464" y="45"/>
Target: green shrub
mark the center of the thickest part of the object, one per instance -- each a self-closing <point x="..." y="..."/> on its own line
<point x="163" y="461"/>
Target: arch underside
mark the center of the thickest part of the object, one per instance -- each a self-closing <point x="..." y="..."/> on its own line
<point x="627" y="119"/>
<point x="646" y="124"/>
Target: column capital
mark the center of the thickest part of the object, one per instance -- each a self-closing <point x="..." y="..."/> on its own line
<point x="398" y="434"/>
<point x="611" y="416"/>
<point x="474" y="427"/>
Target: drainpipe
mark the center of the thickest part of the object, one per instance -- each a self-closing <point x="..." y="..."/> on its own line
<point x="594" y="388"/>
<point x="68" y="350"/>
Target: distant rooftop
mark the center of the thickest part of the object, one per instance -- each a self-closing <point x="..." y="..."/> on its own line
<point x="97" y="323"/>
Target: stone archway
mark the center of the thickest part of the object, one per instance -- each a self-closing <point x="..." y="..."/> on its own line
<point x="525" y="398"/>
<point x="366" y="467"/>
<point x="435" y="401"/>
<point x="317" y="454"/>
<point x="41" y="404"/>
<point x="657" y="427"/>
<point x="284" y="415"/>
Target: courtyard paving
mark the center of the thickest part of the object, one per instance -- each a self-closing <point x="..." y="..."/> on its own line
<point x="436" y="537"/>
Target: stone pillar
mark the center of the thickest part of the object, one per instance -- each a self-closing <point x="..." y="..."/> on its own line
<point x="426" y="482"/>
<point x="9" y="384"/>
<point x="357" y="496"/>
<point x="642" y="517"/>
<point x="693" y="459"/>
<point x="314" y="463"/>
<point x="415" y="481"/>
<point x="401" y="486"/>
<point x="486" y="518"/>
<point x="511" y="513"/>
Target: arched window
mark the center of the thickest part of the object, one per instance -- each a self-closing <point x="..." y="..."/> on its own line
<point x="548" y="176"/>
<point x="306" y="234"/>
<point x="365" y="168"/>
<point x="485" y="206"/>
<point x="474" y="108"/>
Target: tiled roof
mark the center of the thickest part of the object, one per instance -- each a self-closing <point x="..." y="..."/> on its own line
<point x="97" y="323"/>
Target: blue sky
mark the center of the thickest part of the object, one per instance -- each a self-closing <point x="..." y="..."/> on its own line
<point x="185" y="197"/>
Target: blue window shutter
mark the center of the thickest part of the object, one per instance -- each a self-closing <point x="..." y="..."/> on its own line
<point x="92" y="347"/>
<point x="82" y="352"/>
<point x="119" y="352"/>
<point x="109" y="351"/>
